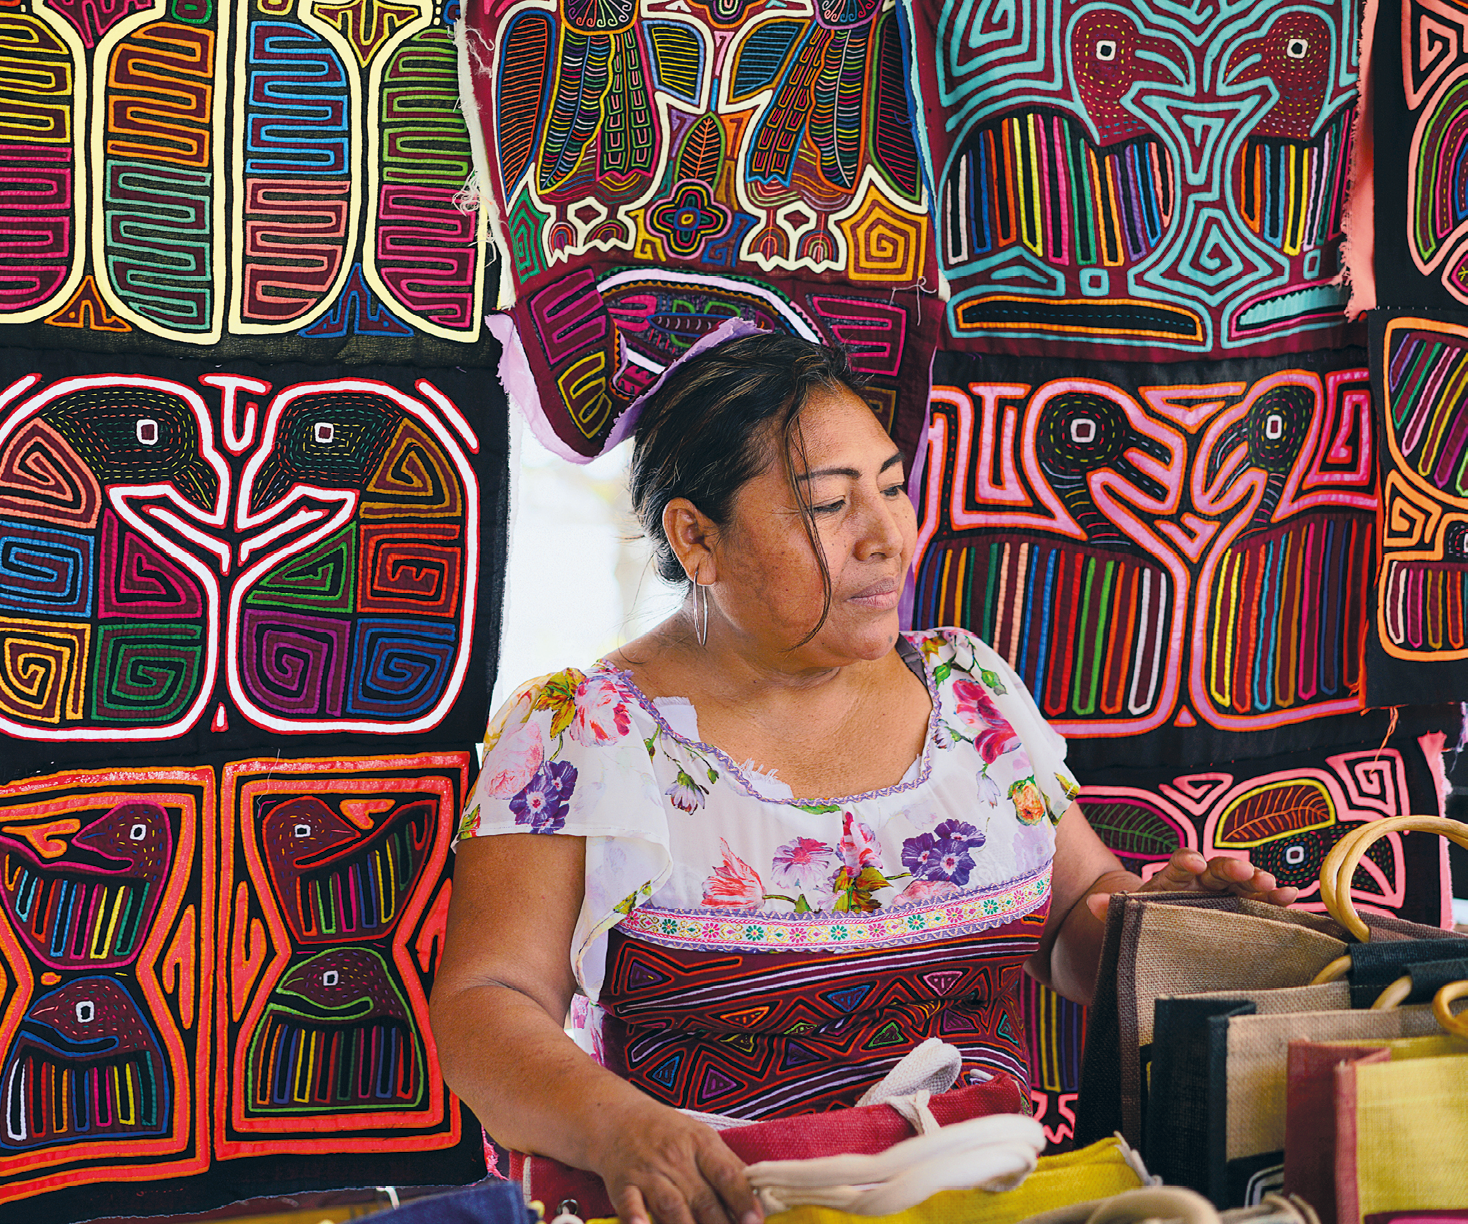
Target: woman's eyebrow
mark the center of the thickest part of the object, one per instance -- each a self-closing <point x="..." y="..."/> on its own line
<point x="849" y="473"/>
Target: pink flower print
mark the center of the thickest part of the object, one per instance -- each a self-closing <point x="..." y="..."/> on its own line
<point x="804" y="863"/>
<point x="512" y="762"/>
<point x="976" y="709"/>
<point x="926" y="890"/>
<point x="807" y="869"/>
<point x="601" y="715"/>
<point x="734" y="882"/>
<point x="859" y="849"/>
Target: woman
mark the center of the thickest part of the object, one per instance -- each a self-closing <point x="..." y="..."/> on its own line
<point x="792" y="842"/>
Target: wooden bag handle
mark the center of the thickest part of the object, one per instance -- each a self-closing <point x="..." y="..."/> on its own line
<point x="1442" y="1003"/>
<point x="1340" y="864"/>
<point x="1442" y="1008"/>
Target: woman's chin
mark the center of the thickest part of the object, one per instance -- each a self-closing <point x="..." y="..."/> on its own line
<point x="867" y="641"/>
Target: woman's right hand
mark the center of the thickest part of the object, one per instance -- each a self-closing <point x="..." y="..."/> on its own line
<point x="663" y="1167"/>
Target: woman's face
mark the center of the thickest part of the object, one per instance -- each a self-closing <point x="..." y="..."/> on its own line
<point x="769" y="582"/>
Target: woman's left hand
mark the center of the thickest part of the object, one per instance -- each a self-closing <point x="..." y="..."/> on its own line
<point x="1189" y="871"/>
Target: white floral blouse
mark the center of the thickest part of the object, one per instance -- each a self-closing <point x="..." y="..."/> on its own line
<point x="687" y="848"/>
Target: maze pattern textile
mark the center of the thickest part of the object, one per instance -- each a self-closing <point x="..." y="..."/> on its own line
<point x="1138" y="179"/>
<point x="271" y="177"/>
<point x="215" y="978"/>
<point x="1156" y="548"/>
<point x="660" y="167"/>
<point x="1282" y="813"/>
<point x="1421" y="86"/>
<point x="772" y="1034"/>
<point x="1417" y="642"/>
<point x="227" y="557"/>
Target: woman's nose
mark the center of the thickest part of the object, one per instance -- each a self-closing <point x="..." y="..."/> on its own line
<point x="881" y="529"/>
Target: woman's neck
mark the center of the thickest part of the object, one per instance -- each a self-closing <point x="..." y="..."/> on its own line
<point x="736" y="670"/>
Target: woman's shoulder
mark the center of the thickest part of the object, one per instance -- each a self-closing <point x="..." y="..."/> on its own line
<point x="593" y="708"/>
<point x="555" y="734"/>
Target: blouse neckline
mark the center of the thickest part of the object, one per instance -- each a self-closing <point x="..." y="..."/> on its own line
<point x="731" y="766"/>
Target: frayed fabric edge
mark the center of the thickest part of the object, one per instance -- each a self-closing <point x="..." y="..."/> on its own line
<point x="1358" y="223"/>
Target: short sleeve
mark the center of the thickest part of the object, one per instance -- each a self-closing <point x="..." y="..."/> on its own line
<point x="1001" y="684"/>
<point x="564" y="756"/>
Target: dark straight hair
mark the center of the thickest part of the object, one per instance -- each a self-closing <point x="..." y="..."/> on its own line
<point x="714" y="424"/>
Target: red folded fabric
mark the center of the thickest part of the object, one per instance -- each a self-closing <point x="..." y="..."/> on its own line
<point x="865" y="1130"/>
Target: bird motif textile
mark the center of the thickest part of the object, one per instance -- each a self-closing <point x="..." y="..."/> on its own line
<point x="661" y="168"/>
<point x="216" y="978"/>
<point x="225" y="557"/>
<point x="1416" y="640"/>
<point x="1138" y="180"/>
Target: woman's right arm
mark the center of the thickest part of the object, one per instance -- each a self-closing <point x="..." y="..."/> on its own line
<point x="498" y="1012"/>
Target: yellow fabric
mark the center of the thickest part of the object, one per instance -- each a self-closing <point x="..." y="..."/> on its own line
<point x="1408" y="1047"/>
<point x="1093" y="1172"/>
<point x="1412" y="1129"/>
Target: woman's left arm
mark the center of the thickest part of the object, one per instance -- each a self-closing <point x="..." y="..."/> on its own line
<point x="1085" y="875"/>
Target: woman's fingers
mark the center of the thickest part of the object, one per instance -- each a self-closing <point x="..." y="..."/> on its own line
<point x="1190" y="871"/>
<point x="668" y="1169"/>
<point x="725" y="1173"/>
<point x="630" y="1206"/>
<point x="1186" y="869"/>
<point x="708" y="1207"/>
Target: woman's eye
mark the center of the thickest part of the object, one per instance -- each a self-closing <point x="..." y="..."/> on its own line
<point x="829" y="507"/>
<point x="896" y="490"/>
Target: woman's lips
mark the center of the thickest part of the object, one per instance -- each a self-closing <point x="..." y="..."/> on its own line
<point x="880" y="596"/>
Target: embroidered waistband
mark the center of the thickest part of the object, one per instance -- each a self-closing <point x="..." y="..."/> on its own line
<point x="942" y="919"/>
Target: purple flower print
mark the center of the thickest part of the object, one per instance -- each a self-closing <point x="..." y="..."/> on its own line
<point x="685" y="792"/>
<point x="542" y="803"/>
<point x="958" y="830"/>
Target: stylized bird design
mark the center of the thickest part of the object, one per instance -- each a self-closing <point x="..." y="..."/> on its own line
<point x="336" y="1034"/>
<point x="575" y="119"/>
<point x="90" y="907"/>
<point x="836" y="106"/>
<point x="85" y="1065"/>
<point x="1183" y="185"/>
<point x="576" y="111"/>
<point x="356" y="607"/>
<point x="330" y="578"/>
<point x="1186" y="541"/>
<point x="125" y="466"/>
<point x="337" y="882"/>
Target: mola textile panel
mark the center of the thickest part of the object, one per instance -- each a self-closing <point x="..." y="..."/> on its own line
<point x="215" y="982"/>
<point x="1138" y="179"/>
<point x="1417" y="642"/>
<point x="253" y="482"/>
<point x="233" y="557"/>
<point x="255" y="179"/>
<point x="658" y="173"/>
<point x="1420" y="89"/>
<point x="1177" y="552"/>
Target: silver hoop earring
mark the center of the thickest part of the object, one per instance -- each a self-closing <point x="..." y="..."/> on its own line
<point x="700" y="612"/>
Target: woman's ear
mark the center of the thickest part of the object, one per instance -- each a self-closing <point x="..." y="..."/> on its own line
<point x="691" y="534"/>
